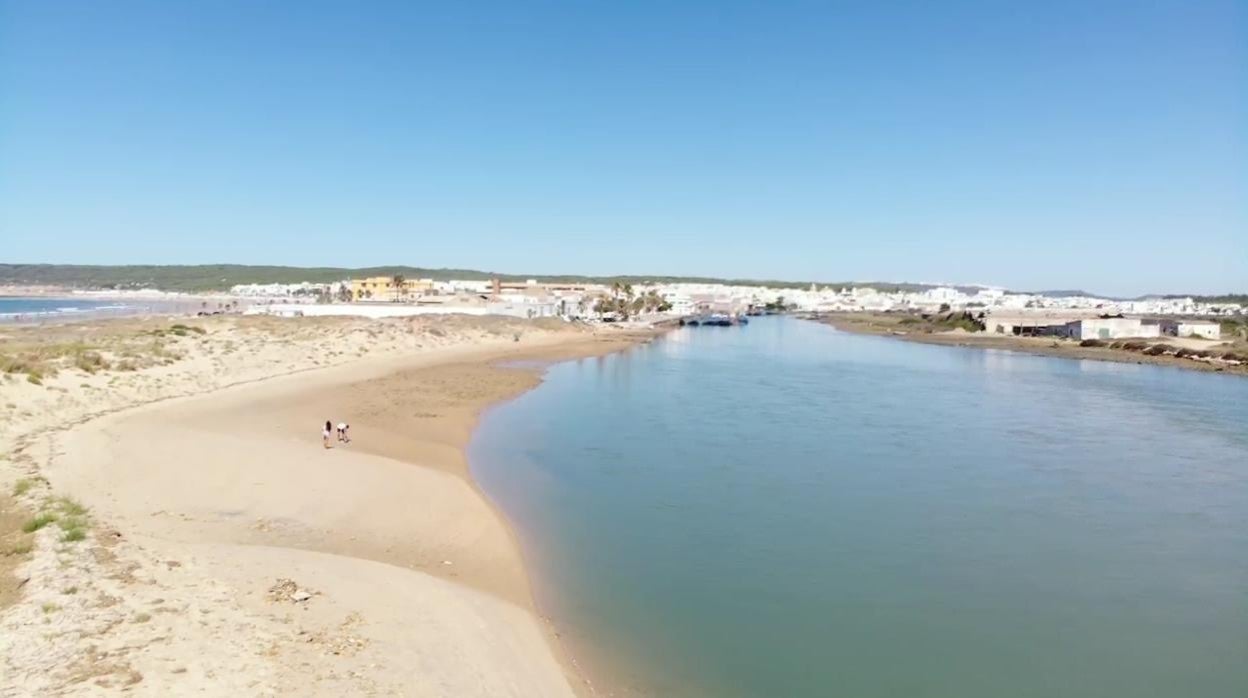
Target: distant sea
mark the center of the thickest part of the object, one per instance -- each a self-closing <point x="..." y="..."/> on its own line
<point x="27" y="309"/>
<point x="783" y="509"/>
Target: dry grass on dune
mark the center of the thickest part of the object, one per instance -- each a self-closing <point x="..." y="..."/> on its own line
<point x="123" y="345"/>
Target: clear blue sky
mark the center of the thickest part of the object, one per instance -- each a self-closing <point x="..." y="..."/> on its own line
<point x="1038" y="145"/>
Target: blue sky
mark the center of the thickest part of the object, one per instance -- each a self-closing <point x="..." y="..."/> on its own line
<point x="1098" y="145"/>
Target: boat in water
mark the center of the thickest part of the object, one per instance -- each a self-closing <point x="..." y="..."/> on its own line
<point x="714" y="320"/>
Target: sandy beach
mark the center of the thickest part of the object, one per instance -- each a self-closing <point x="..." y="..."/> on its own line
<point x="197" y="537"/>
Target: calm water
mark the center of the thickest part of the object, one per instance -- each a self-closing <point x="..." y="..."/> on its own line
<point x="787" y="510"/>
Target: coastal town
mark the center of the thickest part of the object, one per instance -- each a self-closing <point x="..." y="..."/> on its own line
<point x="536" y="298"/>
<point x="1180" y="331"/>
<point x="1197" y="332"/>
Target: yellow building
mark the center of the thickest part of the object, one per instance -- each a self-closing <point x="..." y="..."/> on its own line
<point x="385" y="288"/>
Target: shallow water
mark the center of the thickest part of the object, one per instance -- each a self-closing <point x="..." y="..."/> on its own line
<point x="788" y="510"/>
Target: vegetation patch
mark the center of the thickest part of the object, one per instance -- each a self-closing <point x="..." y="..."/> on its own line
<point x="38" y="522"/>
<point x="41" y="355"/>
<point x="72" y="519"/>
<point x="69" y="507"/>
<point x="74" y="535"/>
<point x="69" y="523"/>
<point x="946" y="322"/>
<point x="90" y="361"/>
<point x="22" y="486"/>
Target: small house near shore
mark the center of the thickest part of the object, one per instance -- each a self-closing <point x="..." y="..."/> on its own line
<point x="1112" y="328"/>
<point x="1192" y="328"/>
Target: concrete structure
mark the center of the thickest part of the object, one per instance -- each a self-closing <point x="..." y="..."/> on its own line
<point x="533" y="288"/>
<point x="1029" y="325"/>
<point x="1112" y="328"/>
<point x="1192" y="328"/>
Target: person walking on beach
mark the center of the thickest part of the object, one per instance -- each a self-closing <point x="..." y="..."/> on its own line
<point x="325" y="433"/>
<point x="342" y="432"/>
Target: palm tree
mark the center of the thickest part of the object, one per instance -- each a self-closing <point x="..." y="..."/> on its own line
<point x="399" y="287"/>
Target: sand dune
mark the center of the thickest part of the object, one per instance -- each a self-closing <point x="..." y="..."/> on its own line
<point x="230" y="553"/>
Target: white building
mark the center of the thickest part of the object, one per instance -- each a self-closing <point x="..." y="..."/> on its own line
<point x="1192" y="328"/>
<point x="1112" y="328"/>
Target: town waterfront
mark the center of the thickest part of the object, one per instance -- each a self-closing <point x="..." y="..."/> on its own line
<point x="785" y="509"/>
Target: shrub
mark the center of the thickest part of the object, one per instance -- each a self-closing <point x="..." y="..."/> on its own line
<point x="38" y="522"/>
<point x="22" y="486"/>
<point x="1134" y="346"/>
<point x="16" y="364"/>
<point x="69" y="507"/>
<point x="182" y="330"/>
<point x="1155" y="350"/>
<point x="69" y="523"/>
<point x="90" y="361"/>
<point x="74" y="535"/>
<point x="1091" y="343"/>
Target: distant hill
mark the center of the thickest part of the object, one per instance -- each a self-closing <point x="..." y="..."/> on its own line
<point x="1064" y="294"/>
<point x="220" y="277"/>
<point x="1240" y="298"/>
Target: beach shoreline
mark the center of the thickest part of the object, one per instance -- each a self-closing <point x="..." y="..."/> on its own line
<point x="253" y="494"/>
<point x="884" y="325"/>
